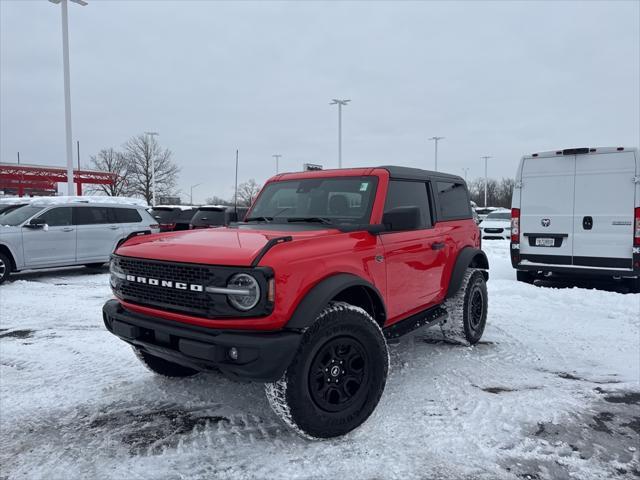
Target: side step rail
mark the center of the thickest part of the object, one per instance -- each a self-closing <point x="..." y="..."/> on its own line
<point x="426" y="318"/>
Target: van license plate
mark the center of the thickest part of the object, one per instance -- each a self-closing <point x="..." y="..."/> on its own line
<point x="545" y="242"/>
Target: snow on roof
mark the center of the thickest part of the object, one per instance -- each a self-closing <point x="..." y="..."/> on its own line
<point x="74" y="199"/>
<point x="222" y="207"/>
<point x="181" y="207"/>
<point x="13" y="200"/>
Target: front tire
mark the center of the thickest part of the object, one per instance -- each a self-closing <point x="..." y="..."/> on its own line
<point x="467" y="310"/>
<point x="337" y="376"/>
<point x="163" y="367"/>
<point x="5" y="267"/>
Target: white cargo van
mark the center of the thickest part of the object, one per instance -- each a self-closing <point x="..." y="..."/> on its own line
<point x="576" y="212"/>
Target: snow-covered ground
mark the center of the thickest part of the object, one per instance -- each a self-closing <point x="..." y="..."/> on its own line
<point x="552" y="391"/>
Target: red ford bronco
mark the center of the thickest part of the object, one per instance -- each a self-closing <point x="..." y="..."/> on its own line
<point x="303" y="293"/>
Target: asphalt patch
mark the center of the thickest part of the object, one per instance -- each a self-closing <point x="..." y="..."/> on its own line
<point x="155" y="430"/>
<point x="18" y="334"/>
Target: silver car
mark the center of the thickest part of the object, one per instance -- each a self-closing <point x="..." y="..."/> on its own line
<point x="55" y="235"/>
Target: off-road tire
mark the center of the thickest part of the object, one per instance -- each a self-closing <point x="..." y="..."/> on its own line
<point x="467" y="310"/>
<point x="525" y="277"/>
<point x="163" y="367"/>
<point x="5" y="267"/>
<point x="309" y="397"/>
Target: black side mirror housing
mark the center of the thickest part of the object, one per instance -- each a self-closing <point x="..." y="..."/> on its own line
<point x="402" y="218"/>
<point x="36" y="223"/>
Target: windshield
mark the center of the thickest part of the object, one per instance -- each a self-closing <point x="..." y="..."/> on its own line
<point x="19" y="215"/>
<point x="499" y="216"/>
<point x="322" y="200"/>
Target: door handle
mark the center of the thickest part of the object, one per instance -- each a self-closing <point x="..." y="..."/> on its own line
<point x="438" y="245"/>
<point x="113" y="227"/>
<point x="587" y="223"/>
<point x="67" y="229"/>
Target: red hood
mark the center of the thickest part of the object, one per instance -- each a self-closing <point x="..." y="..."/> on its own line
<point x="213" y="246"/>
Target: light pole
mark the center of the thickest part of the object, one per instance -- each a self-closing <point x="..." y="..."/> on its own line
<point x="277" y="157"/>
<point x="486" y="179"/>
<point x="435" y="139"/>
<point x="191" y="195"/>
<point x="150" y="136"/>
<point x="67" y="87"/>
<point x="465" y="170"/>
<point x="340" y="103"/>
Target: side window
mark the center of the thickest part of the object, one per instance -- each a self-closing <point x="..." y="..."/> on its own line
<point x="91" y="215"/>
<point x="126" y="215"/>
<point x="57" y="217"/>
<point x="404" y="193"/>
<point x="453" y="201"/>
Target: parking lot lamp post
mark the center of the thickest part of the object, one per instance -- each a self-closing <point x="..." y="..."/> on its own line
<point x="191" y="195"/>
<point x="340" y="103"/>
<point x="486" y="178"/>
<point x="277" y="157"/>
<point x="150" y="136"/>
<point x="435" y="139"/>
<point x="67" y="87"/>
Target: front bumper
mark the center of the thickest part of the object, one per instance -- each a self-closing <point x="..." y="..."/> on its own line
<point x="262" y="357"/>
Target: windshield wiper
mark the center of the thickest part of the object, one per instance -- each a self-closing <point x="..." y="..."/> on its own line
<point x="258" y="219"/>
<point x="324" y="221"/>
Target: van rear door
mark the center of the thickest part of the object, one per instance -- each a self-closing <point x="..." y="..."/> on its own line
<point x="546" y="206"/>
<point x="603" y="218"/>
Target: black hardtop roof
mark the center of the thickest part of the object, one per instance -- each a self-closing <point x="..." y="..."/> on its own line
<point x="409" y="173"/>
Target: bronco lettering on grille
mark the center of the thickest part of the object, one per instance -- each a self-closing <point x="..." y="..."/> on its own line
<point x="194" y="287"/>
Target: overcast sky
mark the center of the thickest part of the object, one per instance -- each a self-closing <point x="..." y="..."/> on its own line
<point x="495" y="78"/>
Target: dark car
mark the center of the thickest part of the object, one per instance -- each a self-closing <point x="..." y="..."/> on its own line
<point x="172" y="218"/>
<point x="209" y="216"/>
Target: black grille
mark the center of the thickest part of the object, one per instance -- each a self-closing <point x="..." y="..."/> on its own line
<point x="186" y="300"/>
<point x="170" y="298"/>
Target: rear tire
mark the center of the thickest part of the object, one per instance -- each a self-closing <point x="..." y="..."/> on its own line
<point x="525" y="277"/>
<point x="163" y="367"/>
<point x="337" y="376"/>
<point x="634" y="285"/>
<point x="467" y="310"/>
<point x="5" y="267"/>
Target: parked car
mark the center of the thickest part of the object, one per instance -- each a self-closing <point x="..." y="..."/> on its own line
<point x="43" y="235"/>
<point x="303" y="294"/>
<point x="208" y="216"/>
<point x="576" y="212"/>
<point x="484" y="211"/>
<point x="173" y="218"/>
<point x="497" y="225"/>
<point x="6" y="208"/>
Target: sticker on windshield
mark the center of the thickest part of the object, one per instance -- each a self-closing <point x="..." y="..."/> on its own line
<point x="364" y="186"/>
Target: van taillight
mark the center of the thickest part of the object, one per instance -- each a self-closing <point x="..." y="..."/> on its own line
<point x="515" y="225"/>
<point x="636" y="230"/>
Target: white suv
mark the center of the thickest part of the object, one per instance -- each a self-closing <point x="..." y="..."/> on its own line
<point x="47" y="234"/>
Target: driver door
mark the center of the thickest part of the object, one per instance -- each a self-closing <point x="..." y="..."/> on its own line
<point x="53" y="244"/>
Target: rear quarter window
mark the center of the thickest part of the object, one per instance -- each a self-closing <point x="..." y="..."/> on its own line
<point x="127" y="215"/>
<point x="453" y="201"/>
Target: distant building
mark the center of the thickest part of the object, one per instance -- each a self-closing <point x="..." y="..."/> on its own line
<point x="168" y="200"/>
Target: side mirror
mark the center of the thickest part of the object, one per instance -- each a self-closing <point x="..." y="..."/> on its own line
<point x="402" y="218"/>
<point x="36" y="223"/>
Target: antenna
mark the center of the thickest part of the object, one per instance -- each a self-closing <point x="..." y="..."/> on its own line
<point x="235" y="196"/>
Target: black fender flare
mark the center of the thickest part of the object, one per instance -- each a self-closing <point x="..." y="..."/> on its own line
<point x="467" y="256"/>
<point x="321" y="294"/>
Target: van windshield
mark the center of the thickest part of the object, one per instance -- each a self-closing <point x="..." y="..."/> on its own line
<point x="316" y="200"/>
<point x="19" y="215"/>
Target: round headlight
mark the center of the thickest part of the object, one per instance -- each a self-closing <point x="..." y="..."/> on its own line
<point x="116" y="272"/>
<point x="251" y="291"/>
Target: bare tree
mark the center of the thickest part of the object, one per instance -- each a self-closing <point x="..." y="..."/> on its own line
<point x="498" y="192"/>
<point x="247" y="192"/>
<point x="215" y="200"/>
<point x="142" y="150"/>
<point x="110" y="160"/>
